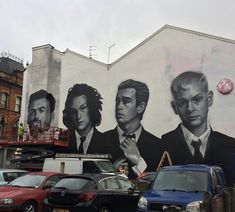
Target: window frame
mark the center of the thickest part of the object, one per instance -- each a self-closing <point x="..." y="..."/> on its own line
<point x="18" y="106"/>
<point x="4" y="102"/>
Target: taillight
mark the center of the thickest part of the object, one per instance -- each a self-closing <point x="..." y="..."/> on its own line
<point x="87" y="196"/>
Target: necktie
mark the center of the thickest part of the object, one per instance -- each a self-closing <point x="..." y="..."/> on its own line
<point x="80" y="149"/>
<point x="131" y="174"/>
<point x="129" y="135"/>
<point x="197" y="154"/>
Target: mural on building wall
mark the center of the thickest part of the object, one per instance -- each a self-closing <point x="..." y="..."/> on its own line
<point x="144" y="103"/>
<point x="131" y="146"/>
<point x="194" y="141"/>
<point x="40" y="114"/>
<point x="81" y="115"/>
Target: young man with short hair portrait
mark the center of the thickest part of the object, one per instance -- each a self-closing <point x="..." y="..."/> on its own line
<point x="129" y="143"/>
<point x="194" y="140"/>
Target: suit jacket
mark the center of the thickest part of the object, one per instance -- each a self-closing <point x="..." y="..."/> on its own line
<point x="219" y="147"/>
<point x="150" y="147"/>
<point x="97" y="137"/>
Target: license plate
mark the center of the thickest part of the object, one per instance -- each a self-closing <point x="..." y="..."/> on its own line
<point x="60" y="210"/>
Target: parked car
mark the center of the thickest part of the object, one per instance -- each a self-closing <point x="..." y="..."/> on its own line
<point x="92" y="193"/>
<point x="7" y="175"/>
<point x="27" y="192"/>
<point x="79" y="164"/>
<point x="190" y="187"/>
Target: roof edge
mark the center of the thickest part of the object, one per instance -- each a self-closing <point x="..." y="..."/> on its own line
<point x="47" y="46"/>
<point x="84" y="57"/>
<point x="173" y="28"/>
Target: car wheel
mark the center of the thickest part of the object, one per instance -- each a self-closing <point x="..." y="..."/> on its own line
<point x="104" y="209"/>
<point x="30" y="206"/>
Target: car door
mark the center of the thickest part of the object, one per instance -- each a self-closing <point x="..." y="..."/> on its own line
<point x="112" y="194"/>
<point x="129" y="194"/>
<point x="47" y="184"/>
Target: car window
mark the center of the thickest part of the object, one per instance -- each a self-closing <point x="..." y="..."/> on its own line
<point x="53" y="180"/>
<point x="73" y="183"/>
<point x="33" y="181"/>
<point x="109" y="183"/>
<point x="106" y="166"/>
<point x="90" y="167"/>
<point x="149" y="177"/>
<point x="183" y="181"/>
<point x="125" y="184"/>
<point x="214" y="179"/>
<point x="9" y="176"/>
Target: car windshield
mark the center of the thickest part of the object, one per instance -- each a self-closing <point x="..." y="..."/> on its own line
<point x="72" y="183"/>
<point x="187" y="181"/>
<point x="33" y="181"/>
<point x="106" y="166"/>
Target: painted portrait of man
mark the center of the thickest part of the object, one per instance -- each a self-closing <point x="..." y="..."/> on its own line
<point x="40" y="114"/>
<point x="82" y="114"/>
<point x="194" y="140"/>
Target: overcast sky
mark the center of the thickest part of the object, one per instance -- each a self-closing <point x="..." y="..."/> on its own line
<point x="78" y="24"/>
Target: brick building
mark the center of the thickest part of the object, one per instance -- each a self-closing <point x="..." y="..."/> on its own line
<point x="11" y="82"/>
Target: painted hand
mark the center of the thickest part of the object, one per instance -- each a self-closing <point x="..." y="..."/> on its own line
<point x="131" y="151"/>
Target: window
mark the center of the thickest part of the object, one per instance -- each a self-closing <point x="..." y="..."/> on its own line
<point x="90" y="167"/>
<point x="125" y="184"/>
<point x="18" y="104"/>
<point x="110" y="183"/>
<point x="73" y="183"/>
<point x="4" y="100"/>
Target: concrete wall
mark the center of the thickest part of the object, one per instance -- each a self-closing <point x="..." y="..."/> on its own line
<point x="43" y="73"/>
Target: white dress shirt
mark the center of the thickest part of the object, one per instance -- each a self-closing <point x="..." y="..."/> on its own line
<point x="86" y="142"/>
<point x="141" y="166"/>
<point x="190" y="136"/>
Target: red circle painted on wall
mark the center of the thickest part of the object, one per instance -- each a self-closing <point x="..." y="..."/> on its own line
<point x="225" y="86"/>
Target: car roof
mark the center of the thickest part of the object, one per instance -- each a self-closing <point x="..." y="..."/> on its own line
<point x="12" y="170"/>
<point x="45" y="173"/>
<point x="189" y="167"/>
<point x="93" y="176"/>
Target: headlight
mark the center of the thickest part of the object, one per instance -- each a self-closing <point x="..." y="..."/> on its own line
<point x="6" y="201"/>
<point x="142" y="203"/>
<point x="194" y="206"/>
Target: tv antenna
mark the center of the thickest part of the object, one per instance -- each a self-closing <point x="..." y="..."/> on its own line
<point x="91" y="48"/>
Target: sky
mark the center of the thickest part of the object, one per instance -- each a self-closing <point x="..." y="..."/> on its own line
<point x="114" y="26"/>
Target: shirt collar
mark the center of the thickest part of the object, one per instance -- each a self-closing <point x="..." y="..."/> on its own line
<point x="190" y="136"/>
<point x="122" y="138"/>
<point x="87" y="141"/>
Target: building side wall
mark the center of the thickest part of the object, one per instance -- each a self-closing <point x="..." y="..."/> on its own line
<point x="156" y="63"/>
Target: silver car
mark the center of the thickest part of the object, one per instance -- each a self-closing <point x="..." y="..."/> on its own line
<point x="7" y="175"/>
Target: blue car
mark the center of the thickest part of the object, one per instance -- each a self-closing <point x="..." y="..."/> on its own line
<point x="182" y="187"/>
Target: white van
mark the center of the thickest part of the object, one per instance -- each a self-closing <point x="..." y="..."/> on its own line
<point x="78" y="164"/>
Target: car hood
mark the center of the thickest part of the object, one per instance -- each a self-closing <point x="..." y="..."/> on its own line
<point x="173" y="197"/>
<point x="10" y="191"/>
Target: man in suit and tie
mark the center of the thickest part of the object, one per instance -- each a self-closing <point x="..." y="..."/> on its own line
<point x="81" y="115"/>
<point x="129" y="143"/>
<point x="194" y="141"/>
